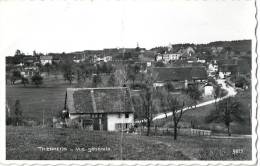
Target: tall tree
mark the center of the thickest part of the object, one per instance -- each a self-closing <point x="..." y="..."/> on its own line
<point x="68" y="72"/>
<point x="228" y="110"/>
<point x="96" y="80"/>
<point x="148" y="99"/>
<point x="16" y="75"/>
<point x="121" y="76"/>
<point x="194" y="93"/>
<point x="177" y="110"/>
<point x="132" y="72"/>
<point x="112" y="80"/>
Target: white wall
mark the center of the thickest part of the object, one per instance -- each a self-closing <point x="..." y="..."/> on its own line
<point x="208" y="90"/>
<point x="112" y="119"/>
<point x="43" y="62"/>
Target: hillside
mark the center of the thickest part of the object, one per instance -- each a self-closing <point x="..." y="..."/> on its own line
<point x="24" y="143"/>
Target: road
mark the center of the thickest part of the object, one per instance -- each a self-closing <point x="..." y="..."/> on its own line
<point x="230" y="92"/>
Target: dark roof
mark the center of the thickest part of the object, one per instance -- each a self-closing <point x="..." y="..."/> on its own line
<point x="98" y="100"/>
<point x="228" y="68"/>
<point x="180" y="73"/>
<point x="29" y="59"/>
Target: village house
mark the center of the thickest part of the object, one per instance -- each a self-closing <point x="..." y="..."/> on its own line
<point x="56" y="58"/>
<point x="208" y="90"/>
<point x="46" y="59"/>
<point x="29" y="71"/>
<point x="180" y="77"/>
<point x="77" y="58"/>
<point x="226" y="70"/>
<point x="30" y="60"/>
<point x="107" y="108"/>
<point x="102" y="58"/>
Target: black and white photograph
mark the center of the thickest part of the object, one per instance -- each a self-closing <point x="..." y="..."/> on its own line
<point x="128" y="81"/>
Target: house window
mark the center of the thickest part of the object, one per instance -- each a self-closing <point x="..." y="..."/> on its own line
<point x="127" y="115"/>
<point x="122" y="126"/>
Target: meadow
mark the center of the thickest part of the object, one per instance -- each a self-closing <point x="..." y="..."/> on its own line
<point x="23" y="143"/>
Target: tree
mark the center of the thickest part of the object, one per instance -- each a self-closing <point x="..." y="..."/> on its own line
<point x="162" y="97"/>
<point x="194" y="93"/>
<point x="228" y="110"/>
<point x="16" y="75"/>
<point x="37" y="79"/>
<point x="25" y="81"/>
<point x="121" y="76"/>
<point x="48" y="67"/>
<point x="112" y="80"/>
<point x="132" y="72"/>
<point x="18" y="113"/>
<point x="18" y="57"/>
<point x="217" y="94"/>
<point x="68" y="72"/>
<point x="96" y="80"/>
<point x="169" y="87"/>
<point x="177" y="110"/>
<point x="147" y="98"/>
<point x="147" y="107"/>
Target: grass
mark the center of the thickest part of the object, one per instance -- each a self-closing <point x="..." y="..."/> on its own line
<point x="48" y="98"/>
<point x="199" y="114"/>
<point x="22" y="143"/>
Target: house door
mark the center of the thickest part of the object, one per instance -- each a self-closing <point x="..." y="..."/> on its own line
<point x="97" y="124"/>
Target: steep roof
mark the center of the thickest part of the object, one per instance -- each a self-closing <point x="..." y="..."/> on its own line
<point x="98" y="100"/>
<point x="180" y="73"/>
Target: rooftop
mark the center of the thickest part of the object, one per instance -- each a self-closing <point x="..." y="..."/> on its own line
<point x="98" y="100"/>
<point x="180" y="73"/>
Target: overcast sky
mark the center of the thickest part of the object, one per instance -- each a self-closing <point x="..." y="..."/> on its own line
<point x="67" y="26"/>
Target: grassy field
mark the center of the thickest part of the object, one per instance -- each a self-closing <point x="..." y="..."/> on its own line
<point x="23" y="143"/>
<point x="48" y="98"/>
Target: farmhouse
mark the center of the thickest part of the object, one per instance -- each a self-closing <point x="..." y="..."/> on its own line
<point x="46" y="59"/>
<point x="108" y="108"/>
<point x="179" y="76"/>
<point x="30" y="60"/>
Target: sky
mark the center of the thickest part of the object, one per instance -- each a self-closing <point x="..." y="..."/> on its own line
<point x="67" y="26"/>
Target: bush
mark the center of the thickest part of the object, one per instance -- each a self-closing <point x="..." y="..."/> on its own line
<point x="138" y="86"/>
<point x="37" y="79"/>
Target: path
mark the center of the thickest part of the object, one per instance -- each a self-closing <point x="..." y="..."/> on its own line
<point x="230" y="92"/>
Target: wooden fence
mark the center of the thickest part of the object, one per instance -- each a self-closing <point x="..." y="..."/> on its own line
<point x="181" y="131"/>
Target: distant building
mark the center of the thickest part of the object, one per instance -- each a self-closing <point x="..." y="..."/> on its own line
<point x="208" y="90"/>
<point x="30" y="60"/>
<point x="179" y="76"/>
<point x="158" y="57"/>
<point x="102" y="58"/>
<point x="79" y="58"/>
<point x="226" y="70"/>
<point x="29" y="71"/>
<point x="107" y="108"/>
<point x="46" y="59"/>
